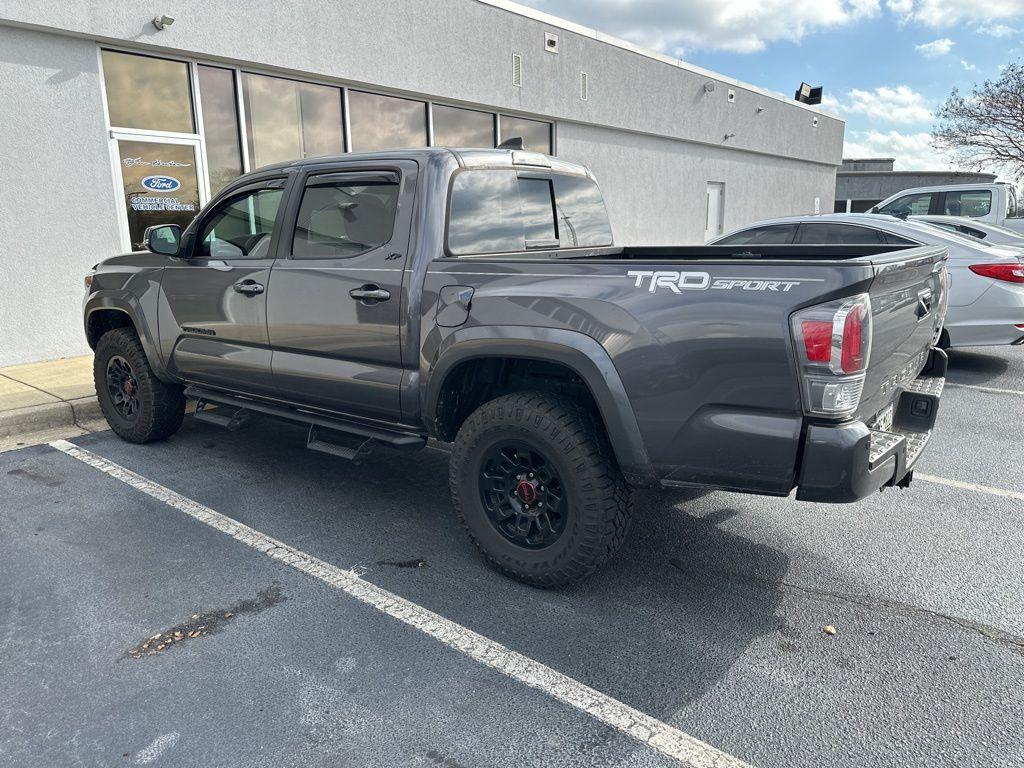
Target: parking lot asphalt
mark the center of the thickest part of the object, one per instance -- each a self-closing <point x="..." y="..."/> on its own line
<point x="710" y="619"/>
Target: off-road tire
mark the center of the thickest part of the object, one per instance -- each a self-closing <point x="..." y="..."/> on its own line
<point x="598" y="500"/>
<point x="161" y="406"/>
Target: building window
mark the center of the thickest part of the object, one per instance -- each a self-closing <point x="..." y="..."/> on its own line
<point x="456" y="127"/>
<point x="220" y="126"/>
<point x="536" y="135"/>
<point x="147" y="93"/>
<point x="385" y="122"/>
<point x="288" y="120"/>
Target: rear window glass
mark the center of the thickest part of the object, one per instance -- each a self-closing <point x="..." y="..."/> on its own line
<point x="501" y="211"/>
<point x="780" y="234"/>
<point x="837" y="234"/>
<point x="582" y="217"/>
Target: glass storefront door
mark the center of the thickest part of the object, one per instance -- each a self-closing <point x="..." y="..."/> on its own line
<point x="160" y="179"/>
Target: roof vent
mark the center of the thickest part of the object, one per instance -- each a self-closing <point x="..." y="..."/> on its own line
<point x="584" y="86"/>
<point x="517" y="70"/>
<point x="551" y="42"/>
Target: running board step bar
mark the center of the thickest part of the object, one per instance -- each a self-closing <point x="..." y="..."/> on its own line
<point x="350" y="440"/>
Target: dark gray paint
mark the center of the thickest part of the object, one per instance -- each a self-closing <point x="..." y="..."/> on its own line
<point x="697" y="387"/>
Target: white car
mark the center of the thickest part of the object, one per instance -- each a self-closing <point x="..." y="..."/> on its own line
<point x="986" y="298"/>
<point x="992" y="234"/>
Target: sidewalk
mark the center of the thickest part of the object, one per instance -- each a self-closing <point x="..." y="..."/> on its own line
<point x="55" y="398"/>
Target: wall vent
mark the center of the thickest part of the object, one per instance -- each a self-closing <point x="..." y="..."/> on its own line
<point x="551" y="42"/>
<point x="517" y="70"/>
<point x="584" y="86"/>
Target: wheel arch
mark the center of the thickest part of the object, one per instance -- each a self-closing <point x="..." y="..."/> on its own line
<point x="575" y="352"/>
<point x="105" y="312"/>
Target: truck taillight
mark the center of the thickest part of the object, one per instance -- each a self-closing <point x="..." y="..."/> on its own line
<point x="1008" y="272"/>
<point x="833" y="343"/>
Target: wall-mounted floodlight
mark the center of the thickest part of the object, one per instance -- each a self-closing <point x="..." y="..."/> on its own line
<point x="807" y="94"/>
<point x="163" y="21"/>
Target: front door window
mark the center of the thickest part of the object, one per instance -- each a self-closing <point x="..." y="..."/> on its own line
<point x="161" y="185"/>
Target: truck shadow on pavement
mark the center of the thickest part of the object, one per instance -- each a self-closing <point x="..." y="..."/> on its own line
<point x="658" y="626"/>
<point x="974" y="367"/>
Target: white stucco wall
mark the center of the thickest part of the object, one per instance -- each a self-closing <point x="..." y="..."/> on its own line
<point x="57" y="205"/>
<point x="655" y="187"/>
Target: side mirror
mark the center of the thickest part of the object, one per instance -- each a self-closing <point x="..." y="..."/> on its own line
<point x="874" y="209"/>
<point x="164" y="239"/>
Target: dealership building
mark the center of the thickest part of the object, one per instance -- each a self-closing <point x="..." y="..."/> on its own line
<point x="120" y="114"/>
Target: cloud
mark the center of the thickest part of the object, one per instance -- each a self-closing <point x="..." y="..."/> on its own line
<point x="996" y="30"/>
<point x="940" y="14"/>
<point x="742" y="26"/>
<point x="898" y="104"/>
<point x="967" y="65"/>
<point x="935" y="48"/>
<point x="913" y="151"/>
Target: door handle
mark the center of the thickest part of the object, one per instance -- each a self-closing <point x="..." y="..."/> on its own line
<point x="249" y="287"/>
<point x="924" y="303"/>
<point x="370" y="294"/>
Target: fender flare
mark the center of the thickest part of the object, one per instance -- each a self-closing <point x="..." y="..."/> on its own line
<point x="129" y="305"/>
<point x="577" y="351"/>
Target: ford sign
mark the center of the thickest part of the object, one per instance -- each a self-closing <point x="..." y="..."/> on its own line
<point x="161" y="183"/>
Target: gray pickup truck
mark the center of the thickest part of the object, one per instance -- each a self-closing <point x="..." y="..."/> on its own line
<point x="476" y="297"/>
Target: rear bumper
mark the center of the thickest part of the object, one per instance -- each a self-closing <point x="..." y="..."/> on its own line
<point x="847" y="462"/>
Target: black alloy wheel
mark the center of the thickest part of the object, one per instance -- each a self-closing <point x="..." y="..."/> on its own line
<point x="523" y="495"/>
<point x="123" y="387"/>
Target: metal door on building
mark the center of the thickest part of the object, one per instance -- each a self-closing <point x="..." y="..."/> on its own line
<point x="160" y="180"/>
<point x="715" y="211"/>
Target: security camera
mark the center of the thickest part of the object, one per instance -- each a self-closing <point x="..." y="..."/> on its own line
<point x="709" y="86"/>
<point x="163" y="21"/>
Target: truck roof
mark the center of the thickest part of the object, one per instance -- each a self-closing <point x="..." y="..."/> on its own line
<point x="466" y="157"/>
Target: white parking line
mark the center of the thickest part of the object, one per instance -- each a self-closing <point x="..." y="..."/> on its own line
<point x="647" y="730"/>
<point x="993" y="390"/>
<point x="969" y="486"/>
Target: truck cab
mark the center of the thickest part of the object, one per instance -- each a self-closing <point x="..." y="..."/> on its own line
<point x="993" y="203"/>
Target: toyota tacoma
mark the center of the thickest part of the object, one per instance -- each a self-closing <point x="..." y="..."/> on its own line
<point x="476" y="297"/>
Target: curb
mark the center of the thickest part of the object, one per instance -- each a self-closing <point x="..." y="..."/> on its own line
<point x="37" y="418"/>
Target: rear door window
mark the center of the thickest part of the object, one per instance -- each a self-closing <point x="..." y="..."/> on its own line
<point x="778" y="234"/>
<point x="968" y="202"/>
<point x="837" y="234"/>
<point x="345" y="215"/>
<point x="914" y="205"/>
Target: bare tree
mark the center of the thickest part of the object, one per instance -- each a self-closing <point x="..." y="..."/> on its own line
<point x="985" y="129"/>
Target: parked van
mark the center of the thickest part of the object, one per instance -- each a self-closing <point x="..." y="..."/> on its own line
<point x="993" y="203"/>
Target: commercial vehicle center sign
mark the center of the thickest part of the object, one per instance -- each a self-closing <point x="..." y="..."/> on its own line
<point x="160" y="185"/>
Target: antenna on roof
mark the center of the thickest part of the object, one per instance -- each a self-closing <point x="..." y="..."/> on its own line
<point x="516" y="142"/>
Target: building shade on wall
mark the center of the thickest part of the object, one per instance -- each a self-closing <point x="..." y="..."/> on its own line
<point x="110" y="129"/>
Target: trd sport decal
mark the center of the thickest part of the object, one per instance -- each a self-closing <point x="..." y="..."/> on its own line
<point x="678" y="282"/>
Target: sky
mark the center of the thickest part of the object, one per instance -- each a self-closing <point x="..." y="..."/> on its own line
<point x="886" y="65"/>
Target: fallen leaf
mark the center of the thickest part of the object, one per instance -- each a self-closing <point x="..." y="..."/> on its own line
<point x="155" y="637"/>
<point x="195" y="615"/>
<point x="228" y="615"/>
<point x="829" y="630"/>
<point x="194" y="633"/>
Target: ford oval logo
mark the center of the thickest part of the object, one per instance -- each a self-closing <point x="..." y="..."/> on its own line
<point x="161" y="183"/>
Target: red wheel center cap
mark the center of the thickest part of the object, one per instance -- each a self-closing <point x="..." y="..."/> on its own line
<point x="526" y="491"/>
<point x="129" y="387"/>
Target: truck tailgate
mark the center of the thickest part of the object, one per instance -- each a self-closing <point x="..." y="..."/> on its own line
<point x="908" y="304"/>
